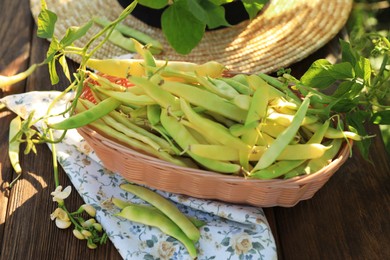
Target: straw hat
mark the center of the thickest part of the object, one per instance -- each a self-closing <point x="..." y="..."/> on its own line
<point x="285" y="32"/>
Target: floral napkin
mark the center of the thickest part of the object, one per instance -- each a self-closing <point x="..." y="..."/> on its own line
<point x="231" y="232"/>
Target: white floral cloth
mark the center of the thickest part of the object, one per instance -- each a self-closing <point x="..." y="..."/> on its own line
<point x="231" y="232"/>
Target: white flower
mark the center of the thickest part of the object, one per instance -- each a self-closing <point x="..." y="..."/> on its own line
<point x="61" y="218"/>
<point x="89" y="209"/>
<point x="59" y="195"/>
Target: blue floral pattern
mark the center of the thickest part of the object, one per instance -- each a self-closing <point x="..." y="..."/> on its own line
<point x="231" y="231"/>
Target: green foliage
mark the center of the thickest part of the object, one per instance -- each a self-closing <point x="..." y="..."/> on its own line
<point x="184" y="22"/>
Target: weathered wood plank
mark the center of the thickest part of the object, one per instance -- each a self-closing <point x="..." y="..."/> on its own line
<point x="347" y="219"/>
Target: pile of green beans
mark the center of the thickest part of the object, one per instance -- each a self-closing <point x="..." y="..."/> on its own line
<point x="193" y="115"/>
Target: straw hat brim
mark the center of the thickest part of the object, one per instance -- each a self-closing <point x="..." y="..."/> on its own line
<point x="286" y="32"/>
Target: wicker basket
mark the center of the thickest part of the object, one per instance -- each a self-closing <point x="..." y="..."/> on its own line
<point x="155" y="173"/>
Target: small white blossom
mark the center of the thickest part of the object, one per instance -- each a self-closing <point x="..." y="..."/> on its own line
<point x="59" y="195"/>
<point x="86" y="233"/>
<point x="59" y="213"/>
<point x="88" y="223"/>
<point x="62" y="224"/>
<point x="61" y="218"/>
<point x="78" y="234"/>
<point x="89" y="209"/>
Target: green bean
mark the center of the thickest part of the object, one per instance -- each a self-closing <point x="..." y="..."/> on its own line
<point x="153" y="114"/>
<point x="275" y="170"/>
<point x="117" y="38"/>
<point x="10" y="80"/>
<point x="88" y="116"/>
<point x="127" y="67"/>
<point x="242" y="101"/>
<point x="133" y="143"/>
<point x="227" y="93"/>
<point x="319" y="163"/>
<point x="146" y="55"/>
<point x="155" y="45"/>
<point x="127" y="98"/>
<point x="256" y="113"/>
<point x="184" y="138"/>
<point x="165" y="145"/>
<point x="285" y="120"/>
<point x="165" y="206"/>
<point x="211" y="128"/>
<point x="240" y="129"/>
<point x="205" y="99"/>
<point x="281" y="86"/>
<point x="105" y="83"/>
<point x="14" y="145"/>
<point x="162" y="97"/>
<point x="284" y="138"/>
<point x="224" y="87"/>
<point x="333" y="133"/>
<point x="290" y="153"/>
<point x="237" y="85"/>
<point x="165" y="224"/>
<point x="122" y="204"/>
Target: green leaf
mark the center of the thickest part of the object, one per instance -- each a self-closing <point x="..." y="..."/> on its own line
<point x="74" y="33"/>
<point x="345" y="105"/>
<point x="381" y="117"/>
<point x="46" y="24"/>
<point x="356" y="122"/>
<point x="340" y="71"/>
<point x="318" y="76"/>
<point x="53" y="72"/>
<point x="363" y="69"/>
<point x="215" y="14"/>
<point x="52" y="51"/>
<point x="182" y="30"/>
<point x="348" y="54"/>
<point x="343" y="89"/>
<point x="155" y="4"/>
<point x="196" y="9"/>
<point x="253" y="7"/>
<point x="64" y="65"/>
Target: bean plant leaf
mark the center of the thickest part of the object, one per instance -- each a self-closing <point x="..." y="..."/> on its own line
<point x="74" y="33"/>
<point x="381" y="117"/>
<point x="46" y="24"/>
<point x="318" y="76"/>
<point x="154" y="4"/>
<point x="53" y="72"/>
<point x="348" y="53"/>
<point x="53" y="49"/>
<point x="65" y="67"/>
<point x="215" y="14"/>
<point x="253" y="7"/>
<point x="356" y="121"/>
<point x="185" y="37"/>
<point x="363" y="69"/>
<point x="196" y="9"/>
<point x="341" y="71"/>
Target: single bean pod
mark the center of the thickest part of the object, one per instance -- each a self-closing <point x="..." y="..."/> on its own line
<point x="167" y="207"/>
<point x="14" y="145"/>
<point x="149" y="217"/>
<point x="88" y="116"/>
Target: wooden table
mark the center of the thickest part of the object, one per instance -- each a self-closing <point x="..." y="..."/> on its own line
<point x="347" y="219"/>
